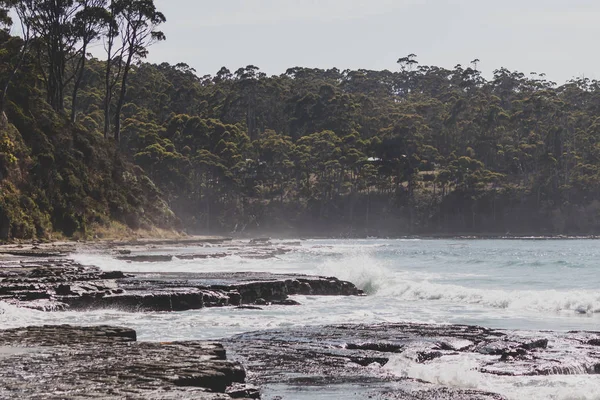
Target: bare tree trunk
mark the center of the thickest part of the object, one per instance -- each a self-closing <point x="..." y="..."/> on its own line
<point x="77" y="83"/>
<point x="121" y="100"/>
<point x="107" y="94"/>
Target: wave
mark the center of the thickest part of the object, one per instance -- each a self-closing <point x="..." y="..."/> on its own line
<point x="378" y="278"/>
<point x="580" y="301"/>
<point x="15" y="317"/>
<point x="360" y="268"/>
<point x="462" y="373"/>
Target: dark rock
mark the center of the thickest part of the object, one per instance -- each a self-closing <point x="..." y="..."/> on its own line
<point x="375" y="346"/>
<point x="235" y="298"/>
<point x="514" y="354"/>
<point x="38" y="253"/>
<point x="425" y="356"/>
<point x="112" y="275"/>
<point x="201" y="256"/>
<point x="63" y="290"/>
<point x="260" y="240"/>
<point x="237" y="391"/>
<point x="286" y="302"/>
<point x="248" y="308"/>
<point x="348" y="357"/>
<point x="53" y="285"/>
<point x="260" y="302"/>
<point x="107" y="362"/>
<point x="536" y="344"/>
<point x="328" y="355"/>
<point x="147" y="258"/>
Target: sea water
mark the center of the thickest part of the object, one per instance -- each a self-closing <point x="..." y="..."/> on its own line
<point x="506" y="284"/>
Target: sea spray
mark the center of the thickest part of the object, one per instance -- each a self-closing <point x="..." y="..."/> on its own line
<point x="359" y="267"/>
<point x="574" y="301"/>
<point x="462" y="372"/>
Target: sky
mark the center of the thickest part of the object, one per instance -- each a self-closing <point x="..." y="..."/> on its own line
<point x="556" y="37"/>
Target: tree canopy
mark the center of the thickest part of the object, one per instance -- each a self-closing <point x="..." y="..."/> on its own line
<point x="418" y="150"/>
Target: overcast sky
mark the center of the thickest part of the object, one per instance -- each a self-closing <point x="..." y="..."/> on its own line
<point x="558" y="37"/>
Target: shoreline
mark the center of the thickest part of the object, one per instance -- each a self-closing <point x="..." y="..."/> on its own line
<point x="218" y="239"/>
<point x="311" y="357"/>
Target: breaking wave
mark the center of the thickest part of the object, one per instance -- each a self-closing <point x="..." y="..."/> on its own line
<point x="463" y="373"/>
<point x="382" y="279"/>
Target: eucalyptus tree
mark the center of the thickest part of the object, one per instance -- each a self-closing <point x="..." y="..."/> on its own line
<point x="89" y="25"/>
<point x="60" y="32"/>
<point x="23" y="42"/>
<point x="138" y="21"/>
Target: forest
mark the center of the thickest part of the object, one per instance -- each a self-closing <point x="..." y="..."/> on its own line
<point x="87" y="142"/>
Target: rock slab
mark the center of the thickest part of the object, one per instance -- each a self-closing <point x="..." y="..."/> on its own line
<point x="61" y="284"/>
<point x="68" y="362"/>
<point x="364" y="360"/>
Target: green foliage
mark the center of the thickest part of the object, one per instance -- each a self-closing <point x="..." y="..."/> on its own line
<point x="421" y="150"/>
<point x="438" y="149"/>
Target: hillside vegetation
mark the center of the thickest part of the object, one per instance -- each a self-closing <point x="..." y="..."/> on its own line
<point x="419" y="150"/>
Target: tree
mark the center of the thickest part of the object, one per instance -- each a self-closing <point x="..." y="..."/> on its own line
<point x="88" y="25"/>
<point x="51" y="23"/>
<point x="23" y="43"/>
<point x="138" y="20"/>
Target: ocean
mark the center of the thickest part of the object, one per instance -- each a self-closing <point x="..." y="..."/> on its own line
<point x="506" y="284"/>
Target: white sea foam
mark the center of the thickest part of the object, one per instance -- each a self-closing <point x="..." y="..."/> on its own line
<point x="579" y="301"/>
<point x="15" y="317"/>
<point x="384" y="279"/>
<point x="462" y="373"/>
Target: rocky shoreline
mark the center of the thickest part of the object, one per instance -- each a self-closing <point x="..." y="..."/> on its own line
<point x="63" y="284"/>
<point x="67" y="362"/>
<point x="343" y="361"/>
<point x="372" y="358"/>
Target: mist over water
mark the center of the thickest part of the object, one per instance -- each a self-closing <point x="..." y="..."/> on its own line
<point x="507" y="284"/>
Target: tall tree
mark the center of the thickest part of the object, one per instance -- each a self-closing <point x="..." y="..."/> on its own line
<point x="88" y="25"/>
<point x="6" y="20"/>
<point x="139" y="20"/>
<point x="61" y="30"/>
<point x="51" y="22"/>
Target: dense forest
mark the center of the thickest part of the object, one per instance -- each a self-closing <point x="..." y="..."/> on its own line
<point x="89" y="141"/>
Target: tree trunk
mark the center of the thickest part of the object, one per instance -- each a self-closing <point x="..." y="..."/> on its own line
<point x="122" y="96"/>
<point x="77" y="84"/>
<point x="107" y="95"/>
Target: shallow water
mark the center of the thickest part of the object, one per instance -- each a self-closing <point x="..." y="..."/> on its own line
<point x="508" y="284"/>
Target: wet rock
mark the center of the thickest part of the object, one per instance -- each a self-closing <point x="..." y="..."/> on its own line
<point x="147" y="258"/>
<point x="112" y="275"/>
<point x="237" y="391"/>
<point x="377" y="346"/>
<point x="53" y="362"/>
<point x="33" y="252"/>
<point x="201" y="256"/>
<point x="261" y="302"/>
<point x="425" y="356"/>
<point x="286" y="302"/>
<point x="536" y="344"/>
<point x="350" y="357"/>
<point x="59" y="284"/>
<point x="260" y="240"/>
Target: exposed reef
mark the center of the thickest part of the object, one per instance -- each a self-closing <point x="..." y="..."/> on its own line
<point x="368" y="360"/>
<point x="61" y="284"/>
<point x="67" y="362"/>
